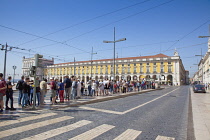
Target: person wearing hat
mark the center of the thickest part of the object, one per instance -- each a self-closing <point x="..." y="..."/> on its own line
<point x="79" y="86"/>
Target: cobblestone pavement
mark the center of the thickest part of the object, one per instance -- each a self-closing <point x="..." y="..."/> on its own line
<point x="154" y="115"/>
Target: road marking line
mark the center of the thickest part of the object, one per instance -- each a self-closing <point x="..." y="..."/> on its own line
<point x="93" y="133"/>
<point x="102" y="110"/>
<point x="24" y="128"/>
<point x="58" y="131"/>
<point x="148" y="102"/>
<point x="121" y="113"/>
<point x="5" y="123"/>
<point x="164" y="138"/>
<point x="129" y="134"/>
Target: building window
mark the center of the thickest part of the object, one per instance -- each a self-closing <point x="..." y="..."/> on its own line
<point x="96" y="69"/>
<point x="78" y="70"/>
<point x="134" y="64"/>
<point x="134" y="69"/>
<point x="154" y="63"/>
<point x="87" y="70"/>
<point x="101" y="69"/>
<point x="123" y="70"/>
<point x="129" y="70"/>
<point x="141" y="69"/>
<point x="154" y="69"/>
<point x="147" y="63"/>
<point x="169" y="62"/>
<point x="140" y="63"/>
<point x="128" y="64"/>
<point x="123" y="65"/>
<point x="161" y="63"/>
<point x="83" y="70"/>
<point x="147" y="69"/>
<point x="162" y="69"/>
<point x="169" y="69"/>
<point x="106" y="70"/>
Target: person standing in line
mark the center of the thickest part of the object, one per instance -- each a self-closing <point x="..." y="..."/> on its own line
<point x="3" y="87"/>
<point x="74" y="88"/>
<point x="43" y="90"/>
<point x="26" y="91"/>
<point x="67" y="87"/>
<point x="89" y="83"/>
<point x="38" y="91"/>
<point x="19" y="86"/>
<point x="97" y="87"/>
<point x="101" y="87"/>
<point x="82" y="87"/>
<point x="79" y="86"/>
<point x="9" y="94"/>
<point x="53" y="90"/>
<point x="61" y="91"/>
<point x="93" y="90"/>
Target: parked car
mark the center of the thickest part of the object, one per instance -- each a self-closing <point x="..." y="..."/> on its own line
<point x="199" y="88"/>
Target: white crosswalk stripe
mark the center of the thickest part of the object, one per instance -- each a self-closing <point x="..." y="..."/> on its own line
<point x="55" y="132"/>
<point x="93" y="133"/>
<point x="24" y="128"/>
<point x="5" y="123"/>
<point x="129" y="134"/>
<point x="164" y="138"/>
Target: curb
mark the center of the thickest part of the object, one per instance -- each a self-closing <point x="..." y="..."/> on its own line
<point x="105" y="99"/>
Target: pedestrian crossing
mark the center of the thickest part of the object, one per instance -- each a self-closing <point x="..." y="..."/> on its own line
<point x="49" y="119"/>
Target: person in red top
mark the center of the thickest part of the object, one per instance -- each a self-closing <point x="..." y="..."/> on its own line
<point x="3" y="87"/>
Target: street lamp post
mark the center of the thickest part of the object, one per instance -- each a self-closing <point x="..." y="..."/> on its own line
<point x="91" y="69"/>
<point x="5" y="57"/>
<point x="14" y="67"/>
<point x="122" y="39"/>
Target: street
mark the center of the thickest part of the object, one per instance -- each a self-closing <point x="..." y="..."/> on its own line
<point x="153" y="115"/>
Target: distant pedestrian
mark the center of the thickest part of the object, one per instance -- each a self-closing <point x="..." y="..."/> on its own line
<point x="101" y="87"/>
<point x="3" y="88"/>
<point x="19" y="86"/>
<point x="43" y="90"/>
<point x="61" y="91"/>
<point x="79" y="86"/>
<point x="9" y="94"/>
<point x="74" y="88"/>
<point x="53" y="90"/>
<point x="93" y="90"/>
<point x="89" y="83"/>
<point x="82" y="87"/>
<point x="26" y="91"/>
<point x="67" y="87"/>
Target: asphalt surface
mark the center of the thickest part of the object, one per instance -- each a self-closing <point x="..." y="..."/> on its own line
<point x="157" y="113"/>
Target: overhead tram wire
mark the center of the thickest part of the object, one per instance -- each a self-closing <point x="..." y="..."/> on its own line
<point x="109" y="24"/>
<point x="64" y="42"/>
<point x="189" y="33"/>
<point x="85" y="21"/>
<point x="124" y="47"/>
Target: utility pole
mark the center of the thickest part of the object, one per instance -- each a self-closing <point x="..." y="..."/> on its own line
<point x="74" y="66"/>
<point x="122" y="39"/>
<point x="91" y="59"/>
<point x="14" y="67"/>
<point x="4" y="48"/>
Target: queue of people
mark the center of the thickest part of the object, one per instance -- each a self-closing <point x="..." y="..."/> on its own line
<point x="65" y="90"/>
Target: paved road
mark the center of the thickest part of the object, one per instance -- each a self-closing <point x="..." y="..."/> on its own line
<point x="148" y="116"/>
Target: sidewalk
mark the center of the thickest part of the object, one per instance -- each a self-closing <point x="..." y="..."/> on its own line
<point x="201" y="115"/>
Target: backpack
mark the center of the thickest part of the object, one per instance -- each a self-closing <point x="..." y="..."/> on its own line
<point x="74" y="84"/>
<point x="19" y="85"/>
<point x="55" y="86"/>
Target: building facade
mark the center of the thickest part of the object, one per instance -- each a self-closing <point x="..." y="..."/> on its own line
<point x="160" y="68"/>
<point x="28" y="62"/>
<point x="203" y="74"/>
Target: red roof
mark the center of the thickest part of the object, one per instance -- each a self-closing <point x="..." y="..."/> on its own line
<point x="125" y="58"/>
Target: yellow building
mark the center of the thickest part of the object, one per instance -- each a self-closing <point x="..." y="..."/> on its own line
<point x="160" y="68"/>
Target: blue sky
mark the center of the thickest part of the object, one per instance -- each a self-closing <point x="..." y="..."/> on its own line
<point x="150" y="29"/>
